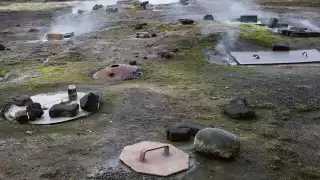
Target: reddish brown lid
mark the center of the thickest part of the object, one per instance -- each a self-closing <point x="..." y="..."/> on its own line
<point x="154" y="158"/>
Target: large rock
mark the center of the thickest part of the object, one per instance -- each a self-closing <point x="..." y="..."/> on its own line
<point x="90" y="102"/>
<point x="97" y="6"/>
<point x="208" y="17"/>
<point x="249" y="18"/>
<point x="281" y="46"/>
<point x="238" y="109"/>
<point x="186" y="21"/>
<point x="22" y="100"/>
<point x="2" y="47"/>
<point x="64" y="110"/>
<point x="217" y="142"/>
<point x="273" y="22"/>
<point x="34" y="111"/>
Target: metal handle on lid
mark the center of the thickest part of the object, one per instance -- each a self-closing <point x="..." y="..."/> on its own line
<point x="144" y="151"/>
<point x="305" y="54"/>
<point x="256" y="56"/>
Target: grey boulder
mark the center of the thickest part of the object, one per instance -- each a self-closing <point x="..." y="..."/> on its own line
<point x="217" y="142"/>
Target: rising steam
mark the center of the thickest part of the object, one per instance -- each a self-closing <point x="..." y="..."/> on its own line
<point x="82" y="23"/>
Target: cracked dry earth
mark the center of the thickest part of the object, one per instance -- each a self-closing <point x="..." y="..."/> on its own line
<point x="282" y="143"/>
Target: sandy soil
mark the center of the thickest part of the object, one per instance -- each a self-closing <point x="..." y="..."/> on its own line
<point x="282" y="143"/>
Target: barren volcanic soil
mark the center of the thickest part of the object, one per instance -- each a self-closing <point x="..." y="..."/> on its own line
<point x="282" y="143"/>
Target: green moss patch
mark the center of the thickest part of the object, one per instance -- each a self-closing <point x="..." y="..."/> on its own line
<point x="166" y="27"/>
<point x="306" y="3"/>
<point x="3" y="72"/>
<point x="75" y="72"/>
<point x="35" y="6"/>
<point x="259" y="34"/>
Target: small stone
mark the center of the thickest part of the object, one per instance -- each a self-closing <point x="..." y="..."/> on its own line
<point x="249" y="18"/>
<point x="22" y="100"/>
<point x="238" y="109"/>
<point x="140" y="25"/>
<point x="178" y="134"/>
<point x="273" y="22"/>
<point x="143" y="35"/>
<point x="186" y="21"/>
<point x="22" y="117"/>
<point x="69" y="35"/>
<point x="28" y="132"/>
<point x="2" y="47"/>
<point x="184" y="2"/>
<point x="96" y="7"/>
<point x="80" y="11"/>
<point x="144" y="4"/>
<point x="166" y="54"/>
<point x="146" y="36"/>
<point x="112" y="10"/>
<point x="217" y="142"/>
<point x="208" y="17"/>
<point x="33" y="30"/>
<point x="90" y="102"/>
<point x="133" y="63"/>
<point x="34" y="111"/>
<point x="175" y="50"/>
<point x="194" y="127"/>
<point x="64" y="110"/>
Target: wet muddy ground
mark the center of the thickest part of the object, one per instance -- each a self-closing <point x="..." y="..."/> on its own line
<point x="282" y="143"/>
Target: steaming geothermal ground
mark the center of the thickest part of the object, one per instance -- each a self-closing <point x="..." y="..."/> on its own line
<point x="283" y="143"/>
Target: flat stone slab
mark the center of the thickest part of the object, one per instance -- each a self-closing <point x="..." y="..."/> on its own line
<point x="276" y="57"/>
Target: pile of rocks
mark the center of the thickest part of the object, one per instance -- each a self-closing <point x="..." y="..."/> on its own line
<point x="32" y="112"/>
